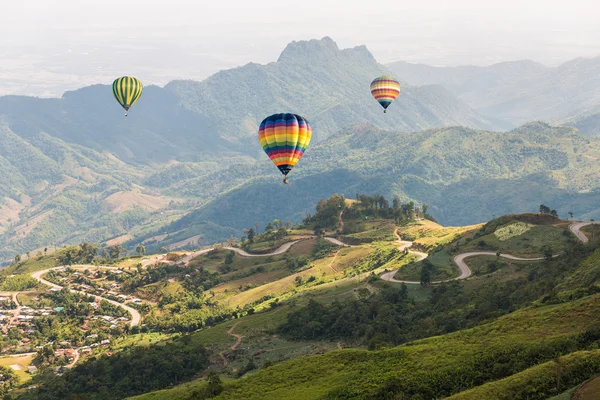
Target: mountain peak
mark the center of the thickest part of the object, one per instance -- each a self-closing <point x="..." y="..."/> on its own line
<point x="309" y="48"/>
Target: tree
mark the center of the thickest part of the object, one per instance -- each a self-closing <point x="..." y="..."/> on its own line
<point x="45" y="250"/>
<point x="571" y="215"/>
<point x="141" y="250"/>
<point x="554" y="213"/>
<point x="547" y="251"/>
<point x="426" y="273"/>
<point x="215" y="386"/>
<point x="250" y="235"/>
<point x="229" y="258"/>
<point x="115" y="251"/>
<point x="425" y="207"/>
<point x="18" y="258"/>
<point x="544" y="209"/>
<point x="232" y="241"/>
<point x="269" y="227"/>
<point x="28" y="255"/>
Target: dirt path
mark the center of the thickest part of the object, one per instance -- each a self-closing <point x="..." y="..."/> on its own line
<point x="589" y="391"/>
<point x="234" y="346"/>
<point x="75" y="359"/>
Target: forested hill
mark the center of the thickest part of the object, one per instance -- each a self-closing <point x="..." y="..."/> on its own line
<point x="466" y="176"/>
<point x="191" y="121"/>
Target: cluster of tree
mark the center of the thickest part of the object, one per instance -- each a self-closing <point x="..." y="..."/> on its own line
<point x="392" y="317"/>
<point x="127" y="373"/>
<point x="274" y="230"/>
<point x="327" y="214"/>
<point x="45" y="357"/>
<point x="82" y="254"/>
<point x="146" y="276"/>
<point x="8" y="380"/>
<point x="17" y="283"/>
<point x="377" y="206"/>
<point x="545" y="210"/>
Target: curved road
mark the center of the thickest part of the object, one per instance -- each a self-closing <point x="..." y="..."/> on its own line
<point x="135" y="315"/>
<point x="575" y="227"/>
<point x="459" y="259"/>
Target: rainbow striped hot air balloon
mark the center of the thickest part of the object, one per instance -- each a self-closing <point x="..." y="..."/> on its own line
<point x="385" y="89"/>
<point x="127" y="90"/>
<point x="284" y="137"/>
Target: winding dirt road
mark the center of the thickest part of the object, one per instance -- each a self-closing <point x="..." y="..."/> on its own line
<point x="238" y="340"/>
<point x="575" y="227"/>
<point x="459" y="259"/>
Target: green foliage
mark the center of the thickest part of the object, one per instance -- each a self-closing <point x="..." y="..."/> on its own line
<point x="17" y="283"/>
<point x="129" y="372"/>
<point x="541" y="381"/>
<point x="391" y="317"/>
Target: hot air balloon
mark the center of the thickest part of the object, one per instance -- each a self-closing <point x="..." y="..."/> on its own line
<point x="385" y="89"/>
<point x="127" y="90"/>
<point x="284" y="137"/>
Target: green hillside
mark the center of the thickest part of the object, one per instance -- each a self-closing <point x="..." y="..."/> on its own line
<point x="441" y="366"/>
<point x="465" y="176"/>
<point x="317" y="321"/>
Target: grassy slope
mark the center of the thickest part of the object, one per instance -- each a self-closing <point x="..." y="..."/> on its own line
<point x="440" y="363"/>
<point x="427" y="234"/>
<point x="540" y="381"/>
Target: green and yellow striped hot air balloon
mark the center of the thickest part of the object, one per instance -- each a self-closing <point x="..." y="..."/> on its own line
<point x="127" y="90"/>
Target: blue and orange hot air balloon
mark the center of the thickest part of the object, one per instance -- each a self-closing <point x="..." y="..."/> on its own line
<point x="385" y="89"/>
<point x="284" y="137"/>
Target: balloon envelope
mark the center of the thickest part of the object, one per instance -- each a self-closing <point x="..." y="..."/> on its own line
<point x="385" y="89"/>
<point x="284" y="137"/>
<point x="127" y="90"/>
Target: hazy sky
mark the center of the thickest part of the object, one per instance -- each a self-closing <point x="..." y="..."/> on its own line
<point x="48" y="46"/>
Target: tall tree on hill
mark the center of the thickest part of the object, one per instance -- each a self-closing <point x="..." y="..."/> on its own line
<point x="141" y="250"/>
<point x="554" y="213"/>
<point x="250" y="235"/>
<point x="426" y="273"/>
<point x="571" y="215"/>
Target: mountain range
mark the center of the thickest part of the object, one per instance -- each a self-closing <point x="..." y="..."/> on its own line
<point x="517" y="92"/>
<point x="177" y="171"/>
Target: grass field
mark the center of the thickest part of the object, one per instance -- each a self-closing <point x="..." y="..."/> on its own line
<point x="23" y="362"/>
<point x="444" y="268"/>
<point x="428" y="234"/>
<point x="371" y="231"/>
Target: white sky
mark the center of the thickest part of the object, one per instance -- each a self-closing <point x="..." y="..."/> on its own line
<point x="48" y="46"/>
